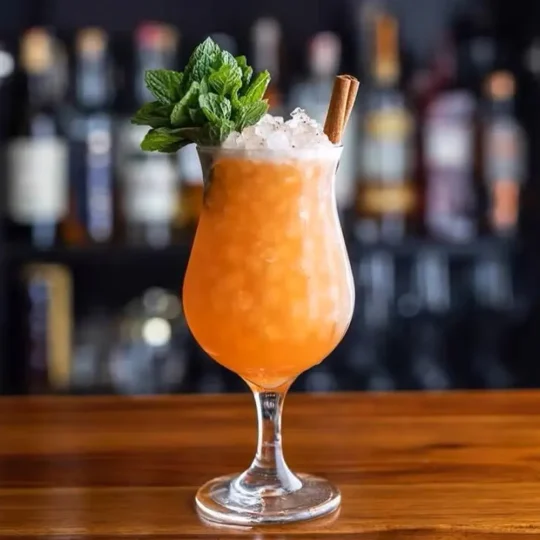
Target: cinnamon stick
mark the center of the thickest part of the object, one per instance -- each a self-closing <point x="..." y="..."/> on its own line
<point x="340" y="107"/>
<point x="353" y="91"/>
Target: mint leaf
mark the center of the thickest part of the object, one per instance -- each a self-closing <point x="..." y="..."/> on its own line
<point x="163" y="140"/>
<point x="226" y="79"/>
<point x="215" y="108"/>
<point x="153" y="114"/>
<point x="247" y="71"/>
<point x="197" y="116"/>
<point x="180" y="113"/>
<point x="250" y="114"/>
<point x="203" y="86"/>
<point x="217" y="133"/>
<point x="227" y="59"/>
<point x="213" y="96"/>
<point x="257" y="88"/>
<point x="242" y="62"/>
<point x="191" y="133"/>
<point x="201" y="61"/>
<point x="246" y="76"/>
<point x="165" y="85"/>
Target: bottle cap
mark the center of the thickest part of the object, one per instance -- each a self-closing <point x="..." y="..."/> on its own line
<point x="91" y="41"/>
<point x="36" y="50"/>
<point x="325" y="54"/>
<point x="501" y="85"/>
<point x="157" y="35"/>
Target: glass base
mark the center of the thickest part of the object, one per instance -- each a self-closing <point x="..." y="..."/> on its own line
<point x="221" y="501"/>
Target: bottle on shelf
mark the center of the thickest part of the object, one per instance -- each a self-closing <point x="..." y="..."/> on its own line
<point x="91" y="215"/>
<point x="431" y="290"/>
<point x="387" y="196"/>
<point x="149" y="182"/>
<point x="150" y="354"/>
<point x="37" y="155"/>
<point x="313" y="95"/>
<point x="504" y="155"/>
<point x="93" y="345"/>
<point x="494" y="303"/>
<point x="7" y="69"/>
<point x="266" y="44"/>
<point x="191" y="187"/>
<point x="450" y="155"/>
<point x="367" y="358"/>
<point x="48" y="327"/>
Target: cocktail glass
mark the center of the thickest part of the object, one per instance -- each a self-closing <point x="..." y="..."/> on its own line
<point x="268" y="293"/>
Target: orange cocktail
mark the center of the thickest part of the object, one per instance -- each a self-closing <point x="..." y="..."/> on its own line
<point x="268" y="291"/>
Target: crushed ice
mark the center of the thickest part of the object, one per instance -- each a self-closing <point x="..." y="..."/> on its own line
<point x="273" y="133"/>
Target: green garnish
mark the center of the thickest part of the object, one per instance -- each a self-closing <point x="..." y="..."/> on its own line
<point x="214" y="96"/>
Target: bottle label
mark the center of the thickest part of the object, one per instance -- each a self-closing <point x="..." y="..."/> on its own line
<point x="504" y="205"/>
<point x="504" y="156"/>
<point x="386" y="149"/>
<point x="450" y="200"/>
<point x="448" y="146"/>
<point x="190" y="166"/>
<point x="49" y="326"/>
<point x="397" y="199"/>
<point x="129" y="144"/>
<point x="150" y="181"/>
<point x="150" y="190"/>
<point x="92" y="174"/>
<point x="99" y="178"/>
<point x="37" y="180"/>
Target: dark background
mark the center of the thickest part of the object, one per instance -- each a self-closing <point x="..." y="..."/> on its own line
<point x="513" y="23"/>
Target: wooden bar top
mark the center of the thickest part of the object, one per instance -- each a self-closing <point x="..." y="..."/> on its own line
<point x="410" y="466"/>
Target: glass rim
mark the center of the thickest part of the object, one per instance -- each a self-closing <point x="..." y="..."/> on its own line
<point x="309" y="152"/>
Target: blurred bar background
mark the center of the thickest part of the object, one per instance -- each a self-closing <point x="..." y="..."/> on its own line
<point x="438" y="189"/>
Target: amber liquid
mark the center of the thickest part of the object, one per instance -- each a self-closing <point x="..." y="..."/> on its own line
<point x="268" y="291"/>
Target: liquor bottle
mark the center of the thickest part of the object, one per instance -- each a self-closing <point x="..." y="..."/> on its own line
<point x="149" y="181"/>
<point x="365" y="17"/>
<point x="48" y="327"/>
<point x="504" y="155"/>
<point x="7" y="79"/>
<point x="191" y="186"/>
<point x="429" y="366"/>
<point x="91" y="219"/>
<point x="372" y="323"/>
<point x="449" y="151"/>
<point x="387" y="198"/>
<point x="94" y="341"/>
<point x="494" y="299"/>
<point x="7" y="69"/>
<point x="37" y="156"/>
<point x="313" y="95"/>
<point x="266" y="43"/>
<point x="150" y="354"/>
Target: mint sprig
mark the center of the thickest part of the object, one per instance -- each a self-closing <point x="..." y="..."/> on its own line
<point x="215" y="95"/>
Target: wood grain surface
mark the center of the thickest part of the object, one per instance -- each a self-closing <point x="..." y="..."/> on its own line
<point x="410" y="466"/>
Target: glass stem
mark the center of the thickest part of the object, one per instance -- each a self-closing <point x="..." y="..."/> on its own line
<point x="269" y="474"/>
